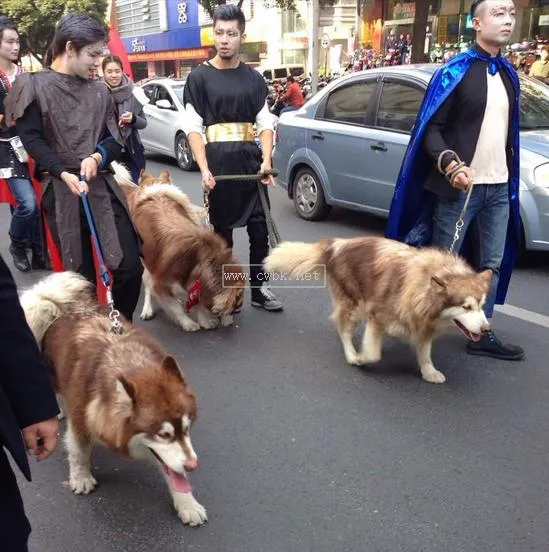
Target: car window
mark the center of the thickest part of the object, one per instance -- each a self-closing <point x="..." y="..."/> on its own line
<point x="280" y="73"/>
<point x="349" y="103"/>
<point x="534" y="105"/>
<point x="149" y="90"/>
<point x="178" y="91"/>
<point x="398" y="106"/>
<point x="164" y="94"/>
<point x="297" y="71"/>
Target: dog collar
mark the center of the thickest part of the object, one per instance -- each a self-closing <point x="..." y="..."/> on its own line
<point x="193" y="295"/>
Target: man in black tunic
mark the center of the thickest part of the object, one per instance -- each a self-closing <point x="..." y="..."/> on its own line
<point x="228" y="97"/>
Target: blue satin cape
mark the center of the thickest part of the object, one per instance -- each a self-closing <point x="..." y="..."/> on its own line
<point x="411" y="213"/>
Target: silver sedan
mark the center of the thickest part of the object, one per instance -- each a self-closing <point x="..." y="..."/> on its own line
<point x="164" y="132"/>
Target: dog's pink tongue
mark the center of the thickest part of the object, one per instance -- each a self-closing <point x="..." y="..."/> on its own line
<point x="179" y="482"/>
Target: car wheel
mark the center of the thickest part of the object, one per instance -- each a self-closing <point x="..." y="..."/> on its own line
<point x="309" y="200"/>
<point x="183" y="153"/>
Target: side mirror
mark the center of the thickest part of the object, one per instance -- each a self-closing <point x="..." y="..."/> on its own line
<point x="163" y="104"/>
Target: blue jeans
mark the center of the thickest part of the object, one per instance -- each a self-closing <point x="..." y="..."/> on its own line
<point x="25" y="221"/>
<point x="488" y="210"/>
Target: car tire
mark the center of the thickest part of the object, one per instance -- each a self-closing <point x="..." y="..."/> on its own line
<point x="309" y="199"/>
<point x="183" y="154"/>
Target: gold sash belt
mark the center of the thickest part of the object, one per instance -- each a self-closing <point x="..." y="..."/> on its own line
<point x="230" y="132"/>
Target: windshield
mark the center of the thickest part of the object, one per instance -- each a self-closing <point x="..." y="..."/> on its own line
<point x="534" y="104"/>
<point x="178" y="91"/>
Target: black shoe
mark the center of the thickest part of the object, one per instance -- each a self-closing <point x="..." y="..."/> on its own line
<point x="38" y="262"/>
<point x="264" y="298"/>
<point x="489" y="345"/>
<point x="19" y="253"/>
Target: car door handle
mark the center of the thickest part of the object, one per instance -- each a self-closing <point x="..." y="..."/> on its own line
<point x="380" y="146"/>
<point x="318" y="136"/>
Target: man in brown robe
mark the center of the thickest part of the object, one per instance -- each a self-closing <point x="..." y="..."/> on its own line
<point x="68" y="124"/>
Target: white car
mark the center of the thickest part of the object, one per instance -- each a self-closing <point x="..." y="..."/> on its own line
<point x="164" y="131"/>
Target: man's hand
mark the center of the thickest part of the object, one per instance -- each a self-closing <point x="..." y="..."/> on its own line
<point x="267" y="166"/>
<point x="74" y="183"/>
<point x="89" y="166"/>
<point x="41" y="438"/>
<point x="208" y="182"/>
<point x="464" y="179"/>
<point x="125" y="118"/>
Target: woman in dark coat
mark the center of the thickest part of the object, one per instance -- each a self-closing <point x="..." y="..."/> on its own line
<point x="130" y="113"/>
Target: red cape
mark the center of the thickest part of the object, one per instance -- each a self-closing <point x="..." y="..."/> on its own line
<point x="53" y="252"/>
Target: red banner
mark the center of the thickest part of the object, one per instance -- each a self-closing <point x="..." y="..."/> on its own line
<point x="116" y="47"/>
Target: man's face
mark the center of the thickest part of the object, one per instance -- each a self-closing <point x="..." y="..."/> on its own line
<point x="10" y="46"/>
<point x="86" y="62"/>
<point x="494" y="21"/>
<point x="227" y="39"/>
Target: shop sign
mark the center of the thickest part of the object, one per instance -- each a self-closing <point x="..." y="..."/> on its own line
<point x="190" y="53"/>
<point x="543" y="20"/>
<point x="404" y="10"/>
<point x="139" y="45"/>
<point x="182" y="13"/>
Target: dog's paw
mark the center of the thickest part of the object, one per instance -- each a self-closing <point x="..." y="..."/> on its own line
<point x="190" y="325"/>
<point x="353" y="359"/>
<point x="208" y="323"/>
<point x="367" y="358"/>
<point x="147" y="314"/>
<point x="227" y="320"/>
<point x="83" y="484"/>
<point x="189" y="510"/>
<point x="434" y="376"/>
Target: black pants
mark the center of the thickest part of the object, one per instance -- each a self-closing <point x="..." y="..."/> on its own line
<point x="259" y="249"/>
<point x="127" y="277"/>
<point x="14" y="525"/>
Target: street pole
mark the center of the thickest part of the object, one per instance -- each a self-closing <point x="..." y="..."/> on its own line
<point x="315" y="46"/>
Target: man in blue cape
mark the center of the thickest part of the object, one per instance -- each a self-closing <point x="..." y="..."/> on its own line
<point x="467" y="135"/>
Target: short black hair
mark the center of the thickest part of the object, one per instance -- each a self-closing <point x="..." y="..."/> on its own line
<point x="230" y="12"/>
<point x="7" y="23"/>
<point x="78" y="28"/>
<point x="474" y="6"/>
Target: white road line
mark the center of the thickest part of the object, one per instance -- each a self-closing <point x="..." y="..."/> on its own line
<point x="524" y="314"/>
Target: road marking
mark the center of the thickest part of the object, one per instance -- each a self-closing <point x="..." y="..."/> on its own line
<point x="524" y="314"/>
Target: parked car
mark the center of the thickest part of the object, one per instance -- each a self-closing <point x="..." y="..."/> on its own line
<point x="345" y="146"/>
<point x="164" y="130"/>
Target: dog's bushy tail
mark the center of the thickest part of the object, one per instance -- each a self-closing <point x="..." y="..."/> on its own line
<point x="122" y="175"/>
<point x="295" y="258"/>
<point x="56" y="295"/>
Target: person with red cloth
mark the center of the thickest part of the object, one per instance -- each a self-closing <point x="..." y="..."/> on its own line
<point x="293" y="96"/>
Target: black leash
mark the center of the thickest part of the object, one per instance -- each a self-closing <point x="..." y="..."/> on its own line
<point x="274" y="235"/>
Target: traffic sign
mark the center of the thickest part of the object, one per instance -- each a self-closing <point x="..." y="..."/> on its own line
<point x="325" y="42"/>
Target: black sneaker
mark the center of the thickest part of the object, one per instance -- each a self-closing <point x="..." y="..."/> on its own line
<point x="264" y="298"/>
<point x="489" y="345"/>
<point x="19" y="253"/>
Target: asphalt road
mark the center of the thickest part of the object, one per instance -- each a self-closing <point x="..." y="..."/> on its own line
<point x="301" y="452"/>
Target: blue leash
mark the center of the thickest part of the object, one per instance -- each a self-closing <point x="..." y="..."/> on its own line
<point x="104" y="273"/>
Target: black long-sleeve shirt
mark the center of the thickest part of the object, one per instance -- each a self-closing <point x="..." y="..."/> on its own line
<point x="31" y="132"/>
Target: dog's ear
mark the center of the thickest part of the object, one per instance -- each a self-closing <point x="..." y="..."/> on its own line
<point x="165" y="176"/>
<point x="170" y="365"/>
<point x="125" y="397"/>
<point x="486" y="275"/>
<point x="438" y="282"/>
